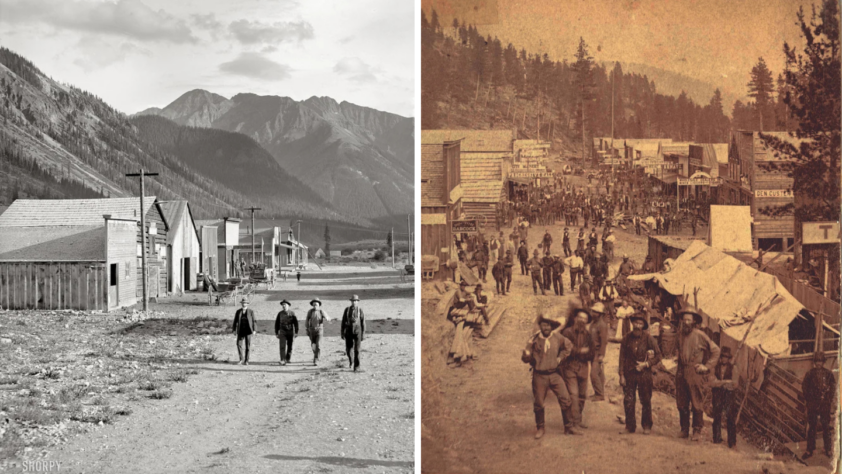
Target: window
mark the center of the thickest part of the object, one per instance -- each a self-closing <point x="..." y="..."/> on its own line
<point x="139" y="251"/>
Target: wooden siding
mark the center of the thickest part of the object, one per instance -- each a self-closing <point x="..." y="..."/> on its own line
<point x="433" y="175"/>
<point x="54" y="285"/>
<point x="437" y="236"/>
<point x="209" y="254"/>
<point x="122" y="250"/>
<point x="156" y="264"/>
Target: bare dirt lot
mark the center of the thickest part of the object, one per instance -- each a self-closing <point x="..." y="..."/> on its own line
<point x="105" y="393"/>
<point x="478" y="418"/>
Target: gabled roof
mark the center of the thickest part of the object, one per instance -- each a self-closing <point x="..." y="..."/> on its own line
<point x="472" y="140"/>
<point x="72" y="212"/>
<point x="173" y="212"/>
<point x="62" y="243"/>
<point x="681" y="148"/>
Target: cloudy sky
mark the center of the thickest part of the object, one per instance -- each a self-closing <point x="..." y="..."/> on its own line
<point x="716" y="41"/>
<point x="142" y="53"/>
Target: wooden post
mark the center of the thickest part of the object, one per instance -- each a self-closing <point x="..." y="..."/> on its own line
<point x="142" y="174"/>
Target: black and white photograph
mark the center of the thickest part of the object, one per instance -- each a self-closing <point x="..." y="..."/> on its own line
<point x="207" y="250"/>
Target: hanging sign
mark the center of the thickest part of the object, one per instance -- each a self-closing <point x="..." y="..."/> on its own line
<point x="820" y="233"/>
<point x="467" y="226"/>
<point x="773" y="193"/>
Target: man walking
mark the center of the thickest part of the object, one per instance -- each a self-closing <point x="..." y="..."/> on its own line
<point x="536" y="266"/>
<point x="565" y="243"/>
<point x="545" y="352"/>
<point x="244" y="327"/>
<point x="353" y="331"/>
<point x="576" y="265"/>
<point x="638" y="354"/>
<point x="498" y="271"/>
<point x="548" y="270"/>
<point x="508" y="265"/>
<point x="697" y="356"/>
<point x="575" y="370"/>
<point x="636" y="222"/>
<point x="558" y="270"/>
<point x="523" y="257"/>
<point x="548" y="241"/>
<point x="723" y="398"/>
<point x="286" y="329"/>
<point x="314" y="324"/>
<point x="599" y="336"/>
<point x="819" y="389"/>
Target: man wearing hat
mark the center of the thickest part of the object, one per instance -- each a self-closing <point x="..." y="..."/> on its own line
<point x="545" y="351"/>
<point x="523" y="257"/>
<point x="577" y="266"/>
<point x="638" y="354"/>
<point x="548" y="241"/>
<point x="599" y="336"/>
<point x="536" y="266"/>
<point x="626" y="268"/>
<point x="558" y="270"/>
<point x="547" y="263"/>
<point x="244" y="327"/>
<point x="565" y="243"/>
<point x="697" y="357"/>
<point x="353" y="331"/>
<point x="316" y="318"/>
<point x="286" y="329"/>
<point x="819" y="388"/>
<point x="722" y="389"/>
<point x="498" y="271"/>
<point x="575" y="369"/>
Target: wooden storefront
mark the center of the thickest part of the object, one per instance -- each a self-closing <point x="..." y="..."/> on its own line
<point x="441" y="196"/>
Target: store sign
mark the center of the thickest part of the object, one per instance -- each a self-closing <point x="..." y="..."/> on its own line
<point x="698" y="182"/>
<point x="670" y="166"/>
<point x="467" y="226"/>
<point x="820" y="233"/>
<point x="531" y="175"/>
<point x="773" y="193"/>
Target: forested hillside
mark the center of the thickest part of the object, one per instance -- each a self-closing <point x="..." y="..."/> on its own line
<point x="471" y="81"/>
<point x="74" y="136"/>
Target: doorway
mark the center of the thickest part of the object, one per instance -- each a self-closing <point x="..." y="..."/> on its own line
<point x="186" y="274"/>
<point x="113" y="292"/>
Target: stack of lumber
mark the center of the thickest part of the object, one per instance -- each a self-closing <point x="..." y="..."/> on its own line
<point x="494" y="315"/>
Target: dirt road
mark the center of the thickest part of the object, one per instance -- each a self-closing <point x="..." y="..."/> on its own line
<point x="267" y="418"/>
<point x="479" y="419"/>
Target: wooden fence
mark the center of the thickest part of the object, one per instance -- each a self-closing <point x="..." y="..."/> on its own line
<point x="812" y="300"/>
<point x="54" y="285"/>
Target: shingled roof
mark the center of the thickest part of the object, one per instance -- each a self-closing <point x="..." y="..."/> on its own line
<point x="72" y="212"/>
<point x="64" y="243"/>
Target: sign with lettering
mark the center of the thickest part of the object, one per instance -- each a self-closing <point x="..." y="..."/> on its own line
<point x="670" y="166"/>
<point x="773" y="193"/>
<point x="531" y="175"/>
<point x="698" y="182"/>
<point x="466" y="226"/>
<point x="820" y="233"/>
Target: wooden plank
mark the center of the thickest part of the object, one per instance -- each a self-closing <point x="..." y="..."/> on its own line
<point x="774" y="418"/>
<point x="768" y="422"/>
<point x="494" y="317"/>
<point x="793" y="396"/>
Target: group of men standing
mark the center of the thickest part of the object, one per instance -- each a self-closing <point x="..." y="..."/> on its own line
<point x="352" y="330"/>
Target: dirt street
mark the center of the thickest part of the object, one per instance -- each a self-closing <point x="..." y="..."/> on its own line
<point x="479" y="419"/>
<point x="269" y="418"/>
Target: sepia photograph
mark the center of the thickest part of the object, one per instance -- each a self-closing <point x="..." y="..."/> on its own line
<point x="207" y="249"/>
<point x="664" y="178"/>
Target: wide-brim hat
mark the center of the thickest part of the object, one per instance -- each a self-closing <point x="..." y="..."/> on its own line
<point x="639" y="317"/>
<point x="285" y="301"/>
<point x="575" y="312"/>
<point x="555" y="324"/>
<point x="725" y="352"/>
<point x="598" y="307"/>
<point x="463" y="283"/>
<point x="355" y="298"/>
<point x="315" y="300"/>
<point x="697" y="316"/>
<point x="244" y="300"/>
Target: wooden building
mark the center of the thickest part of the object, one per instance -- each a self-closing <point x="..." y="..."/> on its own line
<point x="183" y="246"/>
<point x="757" y="177"/>
<point x="78" y="253"/>
<point x="486" y="157"/>
<point x="441" y="195"/>
<point x="209" y="257"/>
<point x="227" y="239"/>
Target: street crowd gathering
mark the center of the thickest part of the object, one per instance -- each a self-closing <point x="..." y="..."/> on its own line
<point x="567" y="352"/>
<point x="352" y="330"/>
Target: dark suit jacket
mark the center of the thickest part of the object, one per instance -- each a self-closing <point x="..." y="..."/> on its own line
<point x="353" y="329"/>
<point x="249" y="316"/>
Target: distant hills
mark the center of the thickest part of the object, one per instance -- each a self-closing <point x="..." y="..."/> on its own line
<point x="357" y="159"/>
<point x="316" y="160"/>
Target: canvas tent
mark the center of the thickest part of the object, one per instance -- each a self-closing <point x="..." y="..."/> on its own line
<point x="733" y="294"/>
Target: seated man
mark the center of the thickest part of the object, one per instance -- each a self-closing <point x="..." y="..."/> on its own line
<point x="460" y="300"/>
<point x="479" y="302"/>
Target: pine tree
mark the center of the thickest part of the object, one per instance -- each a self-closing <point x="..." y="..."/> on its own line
<point x="760" y="88"/>
<point x="584" y="85"/>
<point x="327" y="240"/>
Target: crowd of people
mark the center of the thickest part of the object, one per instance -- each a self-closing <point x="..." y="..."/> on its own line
<point x="565" y="355"/>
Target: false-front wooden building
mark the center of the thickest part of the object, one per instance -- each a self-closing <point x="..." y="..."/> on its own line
<point x="441" y="196"/>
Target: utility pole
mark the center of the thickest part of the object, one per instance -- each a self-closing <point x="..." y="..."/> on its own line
<point x="392" y="238"/>
<point x="409" y="238"/>
<point x="143" y="236"/>
<point x="252" y="209"/>
<point x="613" y="80"/>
